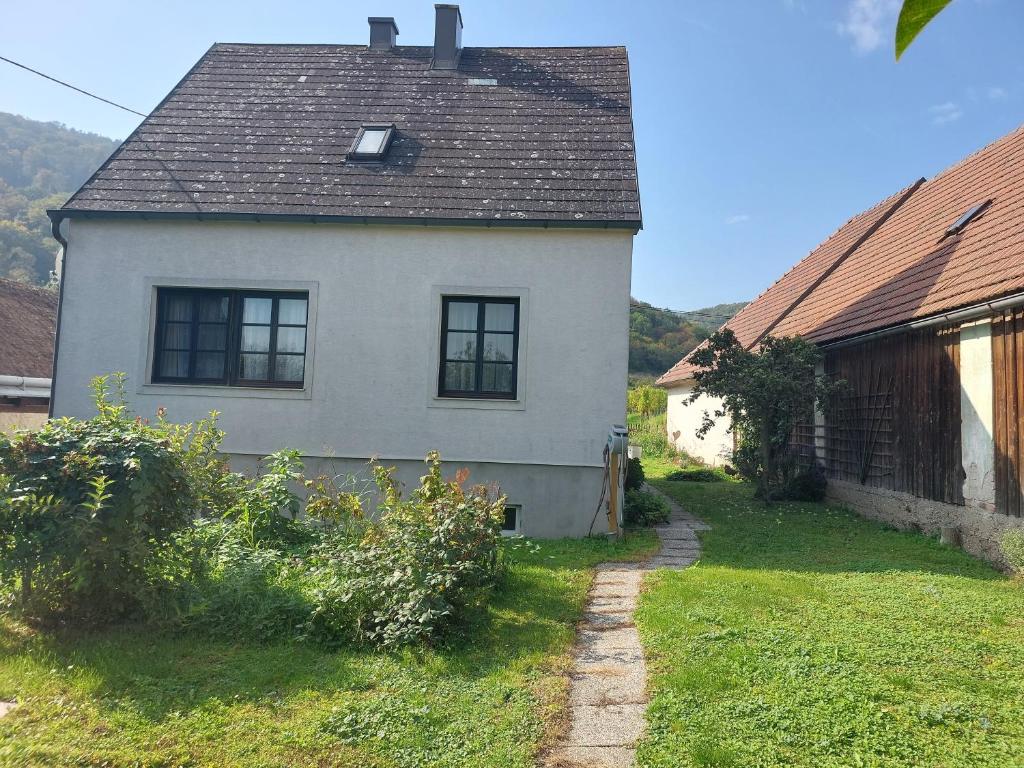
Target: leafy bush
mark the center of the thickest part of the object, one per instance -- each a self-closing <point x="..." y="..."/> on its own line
<point x="645" y="509"/>
<point x="1012" y="545"/>
<point x="265" y="508"/>
<point x="805" y="484"/>
<point x="696" y="475"/>
<point x="635" y="477"/>
<point x="87" y="511"/>
<point x="426" y="563"/>
<point x="242" y="591"/>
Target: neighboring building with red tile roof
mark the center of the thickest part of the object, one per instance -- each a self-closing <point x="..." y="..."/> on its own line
<point x="892" y="264"/>
<point x="918" y="303"/>
<point x="27" y="318"/>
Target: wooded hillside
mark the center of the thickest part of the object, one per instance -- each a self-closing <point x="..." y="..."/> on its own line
<point x="658" y="338"/>
<point x="41" y="165"/>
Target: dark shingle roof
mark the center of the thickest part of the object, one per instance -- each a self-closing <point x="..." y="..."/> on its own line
<point x="28" y="316"/>
<point x="264" y="129"/>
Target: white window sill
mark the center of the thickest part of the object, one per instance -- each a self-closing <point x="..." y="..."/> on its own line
<point x="477" y="403"/>
<point x="207" y="390"/>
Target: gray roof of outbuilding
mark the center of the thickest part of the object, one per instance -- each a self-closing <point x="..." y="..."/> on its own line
<point x="551" y="143"/>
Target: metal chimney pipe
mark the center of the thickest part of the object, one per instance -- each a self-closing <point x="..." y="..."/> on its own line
<point x="447" y="37"/>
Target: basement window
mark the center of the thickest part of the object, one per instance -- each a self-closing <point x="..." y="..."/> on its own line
<point x="372" y="142"/>
<point x="511" y="525"/>
<point x="968" y="216"/>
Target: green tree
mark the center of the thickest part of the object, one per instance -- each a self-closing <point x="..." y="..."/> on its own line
<point x="766" y="391"/>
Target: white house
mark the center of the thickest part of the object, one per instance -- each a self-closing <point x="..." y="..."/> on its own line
<point x="684" y="419"/>
<point x="379" y="250"/>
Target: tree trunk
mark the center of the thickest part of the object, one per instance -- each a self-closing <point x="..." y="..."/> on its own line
<point x="767" y="464"/>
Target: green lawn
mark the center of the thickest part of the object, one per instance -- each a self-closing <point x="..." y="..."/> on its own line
<point x="807" y="636"/>
<point x="135" y="698"/>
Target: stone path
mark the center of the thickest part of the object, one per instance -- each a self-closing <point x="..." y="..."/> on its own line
<point x="608" y="689"/>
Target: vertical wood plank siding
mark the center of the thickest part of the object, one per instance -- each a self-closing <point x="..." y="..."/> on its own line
<point x="898" y="424"/>
<point x="1008" y="376"/>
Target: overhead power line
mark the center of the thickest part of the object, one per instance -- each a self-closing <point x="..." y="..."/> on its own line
<point x="72" y="87"/>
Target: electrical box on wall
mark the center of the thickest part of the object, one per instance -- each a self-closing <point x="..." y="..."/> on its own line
<point x="618" y="440"/>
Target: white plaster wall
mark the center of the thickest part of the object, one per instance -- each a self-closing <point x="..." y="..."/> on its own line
<point x="976" y="408"/>
<point x="685" y="418"/>
<point x="372" y="375"/>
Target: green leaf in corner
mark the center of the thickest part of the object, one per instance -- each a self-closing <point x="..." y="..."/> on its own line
<point x="914" y="15"/>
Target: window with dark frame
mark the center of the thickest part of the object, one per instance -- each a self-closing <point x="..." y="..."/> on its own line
<point x="479" y="347"/>
<point x="230" y="337"/>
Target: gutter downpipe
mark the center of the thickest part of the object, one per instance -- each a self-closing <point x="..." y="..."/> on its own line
<point x="55" y="221"/>
<point x="960" y="315"/>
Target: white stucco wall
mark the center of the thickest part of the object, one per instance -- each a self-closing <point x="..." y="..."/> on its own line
<point x="685" y="418"/>
<point x="374" y="335"/>
<point x="976" y="409"/>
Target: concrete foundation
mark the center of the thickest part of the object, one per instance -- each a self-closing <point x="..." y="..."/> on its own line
<point x="553" y="501"/>
<point x="979" y="529"/>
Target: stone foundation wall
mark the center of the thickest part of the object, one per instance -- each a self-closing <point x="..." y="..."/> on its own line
<point x="980" y="529"/>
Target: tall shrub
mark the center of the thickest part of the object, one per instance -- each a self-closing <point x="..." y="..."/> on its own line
<point x="425" y="564"/>
<point x="766" y="391"/>
<point x="87" y="508"/>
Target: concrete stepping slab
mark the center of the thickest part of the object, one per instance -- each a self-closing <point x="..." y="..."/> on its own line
<point x="591" y="757"/>
<point x="596" y="686"/>
<point x="606" y="621"/>
<point x="609" y="639"/>
<point x="7" y="706"/>
<point x="612" y="603"/>
<point x="680" y="545"/>
<point x="624" y="658"/>
<point x="612" y="725"/>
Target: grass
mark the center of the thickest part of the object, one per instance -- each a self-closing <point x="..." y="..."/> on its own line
<point x="807" y="636"/>
<point x="129" y="697"/>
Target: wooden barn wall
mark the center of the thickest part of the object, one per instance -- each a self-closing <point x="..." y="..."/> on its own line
<point x="1008" y="379"/>
<point x="897" y="424"/>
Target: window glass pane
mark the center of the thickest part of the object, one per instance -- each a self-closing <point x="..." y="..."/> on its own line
<point x="177" y="336"/>
<point x="213" y="337"/>
<point x="510" y="519"/>
<point x="174" y="364"/>
<point x="500" y="317"/>
<point x="291" y="312"/>
<point x="213" y="308"/>
<point x="291" y="339"/>
<point x="256" y="310"/>
<point x="498" y="346"/>
<point x="497" y="377"/>
<point x="253" y="367"/>
<point x="462" y="316"/>
<point x="255" y="338"/>
<point x="177" y="307"/>
<point x="209" y="365"/>
<point x="289" y="367"/>
<point x="371" y="142"/>
<point x="460" y="377"/>
<point x="461" y="346"/>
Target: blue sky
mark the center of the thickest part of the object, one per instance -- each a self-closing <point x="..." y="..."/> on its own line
<point x="761" y="125"/>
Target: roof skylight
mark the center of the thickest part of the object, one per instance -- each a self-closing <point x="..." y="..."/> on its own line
<point x="957" y="226"/>
<point x="372" y="141"/>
